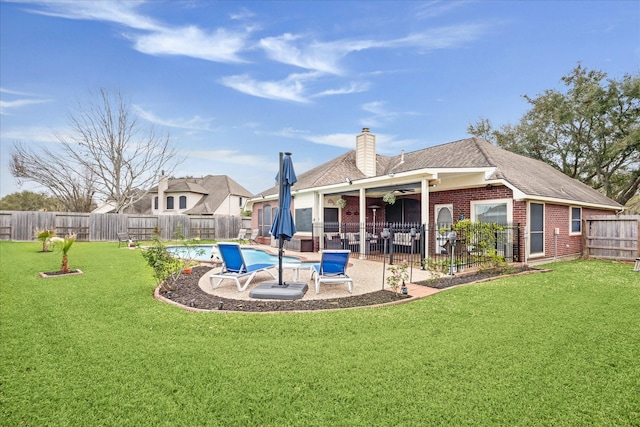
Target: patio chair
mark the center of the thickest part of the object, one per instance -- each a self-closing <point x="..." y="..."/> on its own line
<point x="242" y="234"/>
<point x="254" y="236"/>
<point x="124" y="238"/>
<point x="332" y="269"/>
<point x="234" y="267"/>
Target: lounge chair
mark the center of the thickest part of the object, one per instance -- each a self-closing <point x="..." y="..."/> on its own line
<point x="234" y="267"/>
<point x="254" y="236"/>
<point x="332" y="269"/>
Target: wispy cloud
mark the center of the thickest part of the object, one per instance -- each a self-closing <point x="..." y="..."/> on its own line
<point x="342" y="140"/>
<point x="30" y="134"/>
<point x="325" y="57"/>
<point x="219" y="45"/>
<point x="354" y="87"/>
<point x="121" y="12"/>
<point x="194" y="123"/>
<point x="432" y="9"/>
<point x="289" y="89"/>
<point x="7" y="106"/>
<point x="380" y="114"/>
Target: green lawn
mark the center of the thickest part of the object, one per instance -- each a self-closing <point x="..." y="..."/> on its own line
<point x="559" y="348"/>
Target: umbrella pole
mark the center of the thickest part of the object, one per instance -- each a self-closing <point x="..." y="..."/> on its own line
<point x="280" y="197"/>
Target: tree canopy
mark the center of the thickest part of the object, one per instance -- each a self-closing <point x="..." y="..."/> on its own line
<point x="108" y="154"/>
<point x="590" y="132"/>
<point x="30" y="201"/>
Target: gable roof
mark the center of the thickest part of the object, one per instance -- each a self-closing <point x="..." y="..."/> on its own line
<point x="214" y="189"/>
<point x="531" y="178"/>
<point x="219" y="186"/>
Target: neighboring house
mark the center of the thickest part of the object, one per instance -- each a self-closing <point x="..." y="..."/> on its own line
<point x="436" y="186"/>
<point x="141" y="206"/>
<point x="210" y="195"/>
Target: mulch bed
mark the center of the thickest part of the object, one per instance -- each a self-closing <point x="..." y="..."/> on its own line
<point x="477" y="276"/>
<point x="187" y="293"/>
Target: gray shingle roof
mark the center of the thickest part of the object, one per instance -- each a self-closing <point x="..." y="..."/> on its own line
<point x="214" y="188"/>
<point x="532" y="177"/>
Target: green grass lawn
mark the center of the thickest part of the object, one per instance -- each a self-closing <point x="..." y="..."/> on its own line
<point x="559" y="348"/>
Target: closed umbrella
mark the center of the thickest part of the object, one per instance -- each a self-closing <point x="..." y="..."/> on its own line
<point x="283" y="227"/>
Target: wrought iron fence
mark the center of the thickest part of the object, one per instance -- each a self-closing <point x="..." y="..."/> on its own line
<point x="473" y="244"/>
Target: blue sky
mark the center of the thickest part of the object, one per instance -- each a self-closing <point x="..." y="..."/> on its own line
<point x="235" y="82"/>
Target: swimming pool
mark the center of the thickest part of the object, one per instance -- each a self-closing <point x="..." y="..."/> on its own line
<point x="251" y="256"/>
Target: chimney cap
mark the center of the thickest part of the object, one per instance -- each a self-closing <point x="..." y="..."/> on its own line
<point x="365" y="130"/>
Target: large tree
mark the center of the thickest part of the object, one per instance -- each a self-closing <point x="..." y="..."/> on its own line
<point x="590" y="132"/>
<point x="109" y="153"/>
<point x="29" y="201"/>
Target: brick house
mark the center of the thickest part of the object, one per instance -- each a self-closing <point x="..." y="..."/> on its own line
<point x="437" y="186"/>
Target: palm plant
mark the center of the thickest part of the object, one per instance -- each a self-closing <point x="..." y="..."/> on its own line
<point x="63" y="245"/>
<point x="44" y="235"/>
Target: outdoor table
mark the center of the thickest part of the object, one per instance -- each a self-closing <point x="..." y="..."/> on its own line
<point x="295" y="266"/>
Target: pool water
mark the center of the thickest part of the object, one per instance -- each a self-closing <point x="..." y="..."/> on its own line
<point x="251" y="256"/>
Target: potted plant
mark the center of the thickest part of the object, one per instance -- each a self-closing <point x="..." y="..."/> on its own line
<point x="342" y="203"/>
<point x="389" y="198"/>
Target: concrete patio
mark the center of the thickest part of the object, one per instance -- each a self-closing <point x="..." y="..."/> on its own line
<point x="366" y="275"/>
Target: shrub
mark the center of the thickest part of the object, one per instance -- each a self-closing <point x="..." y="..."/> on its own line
<point x="166" y="267"/>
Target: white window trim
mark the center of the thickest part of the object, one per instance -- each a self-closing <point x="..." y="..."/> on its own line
<point x="509" y="203"/>
<point x="571" y="232"/>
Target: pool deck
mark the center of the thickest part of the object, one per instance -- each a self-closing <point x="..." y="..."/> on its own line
<point x="366" y="275"/>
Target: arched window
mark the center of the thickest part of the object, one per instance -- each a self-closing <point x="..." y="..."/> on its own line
<point x="170" y="202"/>
<point x="183" y="202"/>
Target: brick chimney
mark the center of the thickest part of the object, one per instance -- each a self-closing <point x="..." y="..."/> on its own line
<point x="366" y="153"/>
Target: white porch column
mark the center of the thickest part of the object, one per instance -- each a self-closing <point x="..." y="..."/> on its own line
<point x="320" y="217"/>
<point x="424" y="213"/>
<point x="363" y="223"/>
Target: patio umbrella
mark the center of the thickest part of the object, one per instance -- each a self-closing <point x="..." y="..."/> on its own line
<point x="283" y="227"/>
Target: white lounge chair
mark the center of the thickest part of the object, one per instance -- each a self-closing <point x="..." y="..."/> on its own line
<point x="332" y="269"/>
<point x="234" y="267"/>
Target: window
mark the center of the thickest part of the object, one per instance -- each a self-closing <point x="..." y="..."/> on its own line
<point x="155" y="202"/>
<point x="266" y="220"/>
<point x="303" y="220"/>
<point x="576" y="220"/>
<point x="536" y="233"/>
<point x="170" y="202"/>
<point x="240" y="201"/>
<point x="183" y="202"/>
<point x="494" y="211"/>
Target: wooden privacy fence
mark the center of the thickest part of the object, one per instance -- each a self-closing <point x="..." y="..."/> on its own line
<point x="20" y="226"/>
<point x="611" y="237"/>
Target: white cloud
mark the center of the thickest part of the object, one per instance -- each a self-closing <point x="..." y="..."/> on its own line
<point x="194" y="123"/>
<point x="343" y="140"/>
<point x="218" y="46"/>
<point x="289" y="89"/>
<point x="5" y="106"/>
<point x="325" y="56"/>
<point x="354" y="87"/>
<point x="381" y="116"/>
<point x="121" y="12"/>
<point x="30" y="134"/>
